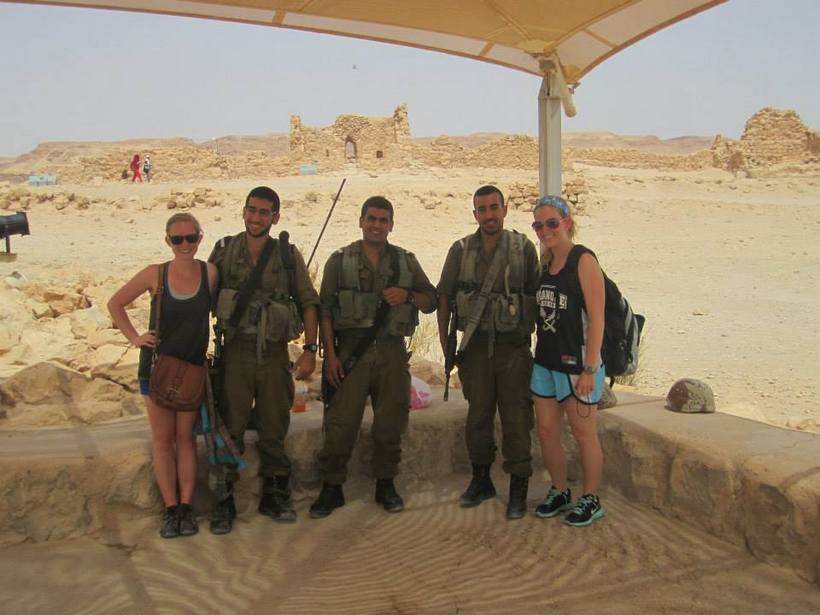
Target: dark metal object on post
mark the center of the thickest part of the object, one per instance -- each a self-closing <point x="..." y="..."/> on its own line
<point x="15" y="224"/>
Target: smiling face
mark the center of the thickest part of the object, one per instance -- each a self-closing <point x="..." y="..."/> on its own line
<point x="551" y="227"/>
<point x="489" y="212"/>
<point x="376" y="224"/>
<point x="182" y="232"/>
<point x="259" y="216"/>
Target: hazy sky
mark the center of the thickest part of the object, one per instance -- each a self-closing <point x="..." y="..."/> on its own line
<point x="81" y="74"/>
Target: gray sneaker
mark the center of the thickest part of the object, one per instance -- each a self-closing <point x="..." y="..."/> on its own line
<point x="169" y="525"/>
<point x="188" y="525"/>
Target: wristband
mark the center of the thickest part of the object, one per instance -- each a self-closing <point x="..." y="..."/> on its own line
<point x="589" y="369"/>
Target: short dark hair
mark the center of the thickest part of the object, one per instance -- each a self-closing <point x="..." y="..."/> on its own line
<point x="266" y="194"/>
<point x="377" y="202"/>
<point x="488" y="189"/>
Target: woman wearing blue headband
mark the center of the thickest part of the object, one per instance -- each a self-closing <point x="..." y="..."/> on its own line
<point x="568" y="376"/>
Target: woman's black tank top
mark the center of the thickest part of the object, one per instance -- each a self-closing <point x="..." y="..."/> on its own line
<point x="184" y="325"/>
<point x="562" y="320"/>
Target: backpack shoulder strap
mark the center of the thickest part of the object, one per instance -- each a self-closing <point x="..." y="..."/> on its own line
<point x="573" y="257"/>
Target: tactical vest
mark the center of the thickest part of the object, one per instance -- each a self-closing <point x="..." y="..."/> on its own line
<point x="507" y="311"/>
<point x="272" y="314"/>
<point x="356" y="309"/>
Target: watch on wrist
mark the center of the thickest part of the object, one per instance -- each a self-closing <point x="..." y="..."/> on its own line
<point x="589" y="369"/>
<point x="310" y="347"/>
<point x="411" y="298"/>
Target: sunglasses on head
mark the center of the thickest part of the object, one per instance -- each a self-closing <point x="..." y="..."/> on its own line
<point x="552" y="223"/>
<point x="178" y="239"/>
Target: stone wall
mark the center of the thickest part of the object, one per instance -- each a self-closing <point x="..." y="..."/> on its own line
<point x="771" y="137"/>
<point x="745" y="482"/>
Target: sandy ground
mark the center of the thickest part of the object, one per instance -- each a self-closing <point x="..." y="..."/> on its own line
<point x="725" y="269"/>
<point x="433" y="558"/>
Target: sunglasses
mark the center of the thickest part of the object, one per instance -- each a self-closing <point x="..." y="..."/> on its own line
<point x="178" y="239"/>
<point x="552" y="223"/>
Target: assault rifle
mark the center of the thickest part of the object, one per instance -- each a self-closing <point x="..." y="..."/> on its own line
<point x="367" y="339"/>
<point x="451" y="355"/>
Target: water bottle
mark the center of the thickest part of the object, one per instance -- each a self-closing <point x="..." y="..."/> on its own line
<point x="299" y="397"/>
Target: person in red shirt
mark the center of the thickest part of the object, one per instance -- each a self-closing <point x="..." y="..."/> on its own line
<point x="135" y="168"/>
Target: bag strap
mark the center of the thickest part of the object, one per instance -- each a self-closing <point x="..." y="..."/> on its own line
<point x="251" y="285"/>
<point x="162" y="268"/>
<point x="474" y="319"/>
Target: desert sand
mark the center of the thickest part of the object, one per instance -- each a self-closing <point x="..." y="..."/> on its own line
<point x="433" y="558"/>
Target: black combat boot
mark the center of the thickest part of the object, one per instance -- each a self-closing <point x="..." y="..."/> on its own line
<point x="481" y="487"/>
<point x="517" y="506"/>
<point x="275" y="500"/>
<point x="223" y="514"/>
<point x="330" y="498"/>
<point x="387" y="496"/>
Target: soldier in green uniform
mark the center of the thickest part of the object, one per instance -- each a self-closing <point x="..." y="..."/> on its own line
<point x="495" y="365"/>
<point x="258" y="319"/>
<point x="371" y="294"/>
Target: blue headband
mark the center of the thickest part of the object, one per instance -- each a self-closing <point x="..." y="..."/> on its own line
<point x="553" y="201"/>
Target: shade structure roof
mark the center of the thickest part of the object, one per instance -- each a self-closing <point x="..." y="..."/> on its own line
<point x="513" y="33"/>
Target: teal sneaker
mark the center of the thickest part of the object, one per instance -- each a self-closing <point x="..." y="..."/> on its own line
<point x="587" y="509"/>
<point x="555" y="503"/>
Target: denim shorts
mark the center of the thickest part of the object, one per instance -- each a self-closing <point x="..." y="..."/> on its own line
<point x="550" y="384"/>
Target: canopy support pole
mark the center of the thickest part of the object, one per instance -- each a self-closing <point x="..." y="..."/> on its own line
<point x="549" y="138"/>
<point x="553" y="93"/>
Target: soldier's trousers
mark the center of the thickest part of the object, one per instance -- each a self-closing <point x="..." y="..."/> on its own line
<point x="265" y="386"/>
<point x="383" y="373"/>
<point x="502" y="381"/>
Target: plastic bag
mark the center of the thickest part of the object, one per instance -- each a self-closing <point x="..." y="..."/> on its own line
<point x="420" y="394"/>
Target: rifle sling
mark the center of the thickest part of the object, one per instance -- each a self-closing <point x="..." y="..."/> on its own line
<point x="251" y="285"/>
<point x="474" y="319"/>
<point x="381" y="315"/>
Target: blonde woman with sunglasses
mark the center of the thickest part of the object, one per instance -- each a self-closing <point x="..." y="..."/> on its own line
<point x="568" y="376"/>
<point x="188" y="286"/>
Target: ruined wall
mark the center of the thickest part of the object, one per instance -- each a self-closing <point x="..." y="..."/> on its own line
<point x="367" y="142"/>
<point x="771" y="137"/>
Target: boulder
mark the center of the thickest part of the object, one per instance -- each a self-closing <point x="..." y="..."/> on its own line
<point x="87" y="321"/>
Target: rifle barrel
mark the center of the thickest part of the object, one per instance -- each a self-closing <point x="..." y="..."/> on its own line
<point x="327" y="219"/>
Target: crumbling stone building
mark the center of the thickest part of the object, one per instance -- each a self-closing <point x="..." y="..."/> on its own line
<point x="353" y="139"/>
<point x="770" y="137"/>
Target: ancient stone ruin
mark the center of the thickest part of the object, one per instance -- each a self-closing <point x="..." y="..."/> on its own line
<point x="350" y="139"/>
<point x="771" y="137"/>
<point x="772" y="141"/>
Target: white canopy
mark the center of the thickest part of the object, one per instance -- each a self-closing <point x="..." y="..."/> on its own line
<point x="513" y="33"/>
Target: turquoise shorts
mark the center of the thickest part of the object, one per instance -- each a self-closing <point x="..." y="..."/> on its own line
<point x="558" y="385"/>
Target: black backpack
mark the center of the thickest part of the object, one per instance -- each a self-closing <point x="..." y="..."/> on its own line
<point x="622" y="327"/>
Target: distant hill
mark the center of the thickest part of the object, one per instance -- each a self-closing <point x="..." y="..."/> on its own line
<point x="276" y="144"/>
